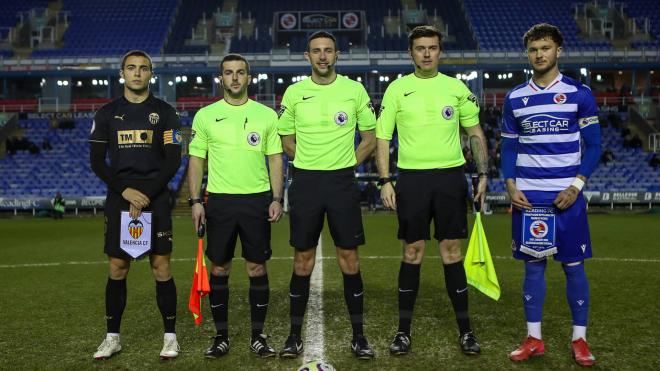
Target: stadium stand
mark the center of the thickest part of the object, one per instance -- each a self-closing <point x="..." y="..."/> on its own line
<point x="499" y="25"/>
<point x="99" y="27"/>
<point x="64" y="168"/>
<point x="640" y="10"/>
<point x="184" y="23"/>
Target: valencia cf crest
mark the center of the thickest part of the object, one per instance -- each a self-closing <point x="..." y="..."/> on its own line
<point x="341" y="118"/>
<point x="253" y="138"/>
<point x="135" y="228"/>
<point x="154" y="118"/>
<point x="538" y="229"/>
<point x="448" y="112"/>
<point x="559" y="98"/>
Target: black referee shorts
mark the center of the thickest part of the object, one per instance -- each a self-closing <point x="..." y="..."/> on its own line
<point x="229" y="216"/>
<point x="436" y="194"/>
<point x="161" y="224"/>
<point x="314" y="193"/>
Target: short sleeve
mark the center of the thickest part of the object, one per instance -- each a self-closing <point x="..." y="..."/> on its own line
<point x="468" y="107"/>
<point x="287" y="118"/>
<point x="199" y="137"/>
<point x="387" y="114"/>
<point x="509" y="123"/>
<point x="366" y="117"/>
<point x="587" y="108"/>
<point x="99" y="132"/>
<point x="273" y="142"/>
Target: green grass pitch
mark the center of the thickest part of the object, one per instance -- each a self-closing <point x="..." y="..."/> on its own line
<point x="53" y="276"/>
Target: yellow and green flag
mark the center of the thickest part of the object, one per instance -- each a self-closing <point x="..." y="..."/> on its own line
<point x="479" y="268"/>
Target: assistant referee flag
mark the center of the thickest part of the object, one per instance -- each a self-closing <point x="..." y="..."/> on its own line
<point x="200" y="285"/>
<point x="479" y="268"/>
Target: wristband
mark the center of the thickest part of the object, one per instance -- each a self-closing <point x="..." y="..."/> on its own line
<point x="578" y="183"/>
<point x="192" y="201"/>
<point x="278" y="199"/>
<point x="383" y="181"/>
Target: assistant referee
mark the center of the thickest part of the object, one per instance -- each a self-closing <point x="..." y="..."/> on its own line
<point x="318" y="119"/>
<point x="427" y="108"/>
<point x="236" y="134"/>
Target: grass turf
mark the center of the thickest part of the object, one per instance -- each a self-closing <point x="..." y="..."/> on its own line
<point x="53" y="278"/>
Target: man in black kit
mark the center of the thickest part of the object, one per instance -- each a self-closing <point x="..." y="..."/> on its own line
<point x="141" y="136"/>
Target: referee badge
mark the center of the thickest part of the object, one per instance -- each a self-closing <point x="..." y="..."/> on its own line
<point x="153" y="118"/>
<point x="448" y="112"/>
<point x="341" y="118"/>
<point x="253" y="138"/>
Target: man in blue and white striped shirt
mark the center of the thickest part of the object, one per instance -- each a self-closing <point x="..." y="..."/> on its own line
<point x="545" y="170"/>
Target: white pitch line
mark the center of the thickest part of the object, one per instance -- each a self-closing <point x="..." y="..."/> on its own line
<point x="318" y="258"/>
<point x="314" y="327"/>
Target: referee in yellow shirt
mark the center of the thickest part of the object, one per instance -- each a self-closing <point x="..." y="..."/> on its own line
<point x="318" y="119"/>
<point x="427" y="108"/>
<point x="236" y="134"/>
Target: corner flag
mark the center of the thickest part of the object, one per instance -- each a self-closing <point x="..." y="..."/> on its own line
<point x="200" y="285"/>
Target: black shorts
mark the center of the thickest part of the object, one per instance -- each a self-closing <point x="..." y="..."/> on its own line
<point x="229" y="216"/>
<point x="161" y="227"/>
<point x="314" y="193"/>
<point x="436" y="194"/>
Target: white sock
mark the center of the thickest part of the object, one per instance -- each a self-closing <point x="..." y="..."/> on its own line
<point x="534" y="329"/>
<point x="110" y="335"/>
<point x="579" y="332"/>
<point x="169" y="336"/>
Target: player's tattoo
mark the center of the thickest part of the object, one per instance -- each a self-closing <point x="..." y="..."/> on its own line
<point x="479" y="154"/>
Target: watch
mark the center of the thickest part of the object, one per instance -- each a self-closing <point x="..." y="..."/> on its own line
<point x="192" y="201"/>
<point x="383" y="181"/>
<point x="278" y="199"/>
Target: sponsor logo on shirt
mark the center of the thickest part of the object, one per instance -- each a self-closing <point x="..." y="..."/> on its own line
<point x="134" y="138"/>
<point x="448" y="112"/>
<point x="253" y="138"/>
<point x="543" y="123"/>
<point x="588" y="121"/>
<point x="154" y="118"/>
<point x="341" y="118"/>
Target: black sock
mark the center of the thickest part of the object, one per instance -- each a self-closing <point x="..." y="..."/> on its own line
<point x="408" y="287"/>
<point x="166" y="299"/>
<point x="354" y="296"/>
<point x="298" y="296"/>
<point x="456" y="284"/>
<point x="115" y="302"/>
<point x="219" y="300"/>
<point x="259" y="296"/>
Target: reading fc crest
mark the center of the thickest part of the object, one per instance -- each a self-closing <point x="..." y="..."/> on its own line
<point x="559" y="98"/>
<point x="538" y="229"/>
<point x="135" y="228"/>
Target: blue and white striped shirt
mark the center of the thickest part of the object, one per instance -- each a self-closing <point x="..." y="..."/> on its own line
<point x="547" y="123"/>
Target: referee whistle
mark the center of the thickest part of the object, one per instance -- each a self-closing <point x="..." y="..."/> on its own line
<point x="201" y="230"/>
<point x="475" y="186"/>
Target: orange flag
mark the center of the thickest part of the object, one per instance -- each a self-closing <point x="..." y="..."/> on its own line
<point x="200" y="285"/>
